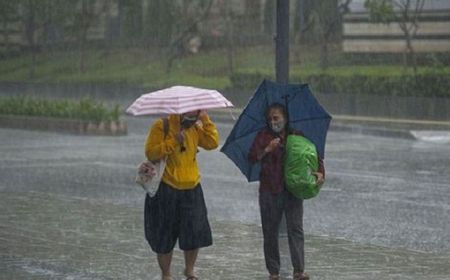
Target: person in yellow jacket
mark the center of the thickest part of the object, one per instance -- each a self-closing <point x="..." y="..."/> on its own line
<point x="178" y="210"/>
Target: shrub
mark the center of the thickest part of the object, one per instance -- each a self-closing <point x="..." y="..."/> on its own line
<point x="85" y="109"/>
<point x="389" y="84"/>
<point x="247" y="80"/>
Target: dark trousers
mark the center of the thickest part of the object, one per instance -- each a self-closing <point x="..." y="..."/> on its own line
<point x="272" y="207"/>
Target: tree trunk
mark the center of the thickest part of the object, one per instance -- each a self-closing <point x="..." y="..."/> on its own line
<point x="30" y="27"/>
<point x="268" y="21"/>
<point x="230" y="36"/>
<point x="176" y="48"/>
<point x="83" y="34"/>
<point x="410" y="54"/>
<point x="324" y="63"/>
<point x="282" y="43"/>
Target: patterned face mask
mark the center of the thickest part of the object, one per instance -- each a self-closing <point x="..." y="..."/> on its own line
<point x="278" y="126"/>
<point x="188" y="121"/>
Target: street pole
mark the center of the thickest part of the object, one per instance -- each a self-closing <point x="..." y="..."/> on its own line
<point x="282" y="61"/>
<point x="282" y="42"/>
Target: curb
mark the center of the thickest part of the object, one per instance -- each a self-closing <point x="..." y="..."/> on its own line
<point x="375" y="131"/>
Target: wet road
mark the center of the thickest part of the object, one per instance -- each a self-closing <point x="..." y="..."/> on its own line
<point x="383" y="191"/>
<point x="46" y="236"/>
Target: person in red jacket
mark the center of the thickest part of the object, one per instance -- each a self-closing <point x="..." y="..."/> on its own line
<point x="274" y="199"/>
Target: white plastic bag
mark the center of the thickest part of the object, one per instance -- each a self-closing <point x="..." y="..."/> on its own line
<point x="150" y="174"/>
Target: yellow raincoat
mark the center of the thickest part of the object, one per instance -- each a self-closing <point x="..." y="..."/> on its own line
<point x="181" y="171"/>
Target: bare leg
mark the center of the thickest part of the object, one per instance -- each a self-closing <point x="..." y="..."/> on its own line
<point x="164" y="261"/>
<point x="189" y="258"/>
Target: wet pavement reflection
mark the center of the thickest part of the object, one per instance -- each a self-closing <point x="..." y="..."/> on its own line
<point x="46" y="236"/>
<point x="69" y="210"/>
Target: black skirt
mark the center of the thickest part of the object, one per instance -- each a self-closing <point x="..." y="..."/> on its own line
<point x="173" y="215"/>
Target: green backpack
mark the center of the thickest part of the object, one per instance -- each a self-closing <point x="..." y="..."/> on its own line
<point x="299" y="163"/>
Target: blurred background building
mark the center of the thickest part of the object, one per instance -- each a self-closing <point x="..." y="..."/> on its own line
<point x="211" y="23"/>
<point x="361" y="35"/>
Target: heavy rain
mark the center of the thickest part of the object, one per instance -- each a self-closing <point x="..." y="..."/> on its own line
<point x="70" y="69"/>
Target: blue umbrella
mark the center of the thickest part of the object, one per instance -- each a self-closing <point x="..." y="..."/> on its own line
<point x="304" y="114"/>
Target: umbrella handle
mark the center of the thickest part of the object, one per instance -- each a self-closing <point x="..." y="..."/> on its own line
<point x="233" y="117"/>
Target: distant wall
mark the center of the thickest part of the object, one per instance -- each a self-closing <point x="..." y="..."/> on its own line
<point x="362" y="36"/>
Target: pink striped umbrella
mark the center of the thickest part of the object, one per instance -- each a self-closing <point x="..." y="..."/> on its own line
<point x="177" y="100"/>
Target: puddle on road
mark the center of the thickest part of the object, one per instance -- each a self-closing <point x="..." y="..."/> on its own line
<point x="439" y="137"/>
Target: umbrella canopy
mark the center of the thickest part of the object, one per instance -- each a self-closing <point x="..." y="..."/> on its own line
<point x="304" y="114"/>
<point x="177" y="100"/>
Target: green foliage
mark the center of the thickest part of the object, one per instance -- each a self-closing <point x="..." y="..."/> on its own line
<point x="8" y="11"/>
<point x="247" y="80"/>
<point x="159" y="24"/>
<point x="209" y="70"/>
<point x="37" y="15"/>
<point x="131" y="28"/>
<point x="428" y="82"/>
<point x="85" y="109"/>
<point x="269" y="16"/>
<point x="380" y="10"/>
<point x="133" y="66"/>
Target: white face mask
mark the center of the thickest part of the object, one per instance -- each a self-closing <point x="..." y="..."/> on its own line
<point x="277" y="127"/>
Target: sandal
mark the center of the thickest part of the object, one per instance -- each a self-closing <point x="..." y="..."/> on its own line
<point x="301" y="276"/>
<point x="274" y="277"/>
<point x="190" y="277"/>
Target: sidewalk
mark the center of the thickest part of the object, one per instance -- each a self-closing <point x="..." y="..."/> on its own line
<point x="56" y="237"/>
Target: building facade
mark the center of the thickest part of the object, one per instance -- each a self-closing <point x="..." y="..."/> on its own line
<point x="360" y="35"/>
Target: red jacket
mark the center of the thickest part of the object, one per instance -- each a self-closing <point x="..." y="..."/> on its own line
<point x="271" y="178"/>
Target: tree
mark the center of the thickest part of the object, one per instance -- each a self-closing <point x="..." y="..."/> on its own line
<point x="83" y="20"/>
<point x="187" y="15"/>
<point x="8" y="17"/>
<point x="406" y="14"/>
<point x="302" y="26"/>
<point x="159" y="22"/>
<point x="326" y="20"/>
<point x="302" y="19"/>
<point x="269" y="17"/>
<point x="31" y="16"/>
<point x="36" y="17"/>
<point x="85" y="15"/>
<point x="229" y="20"/>
<point x="39" y="18"/>
<point x="130" y="19"/>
